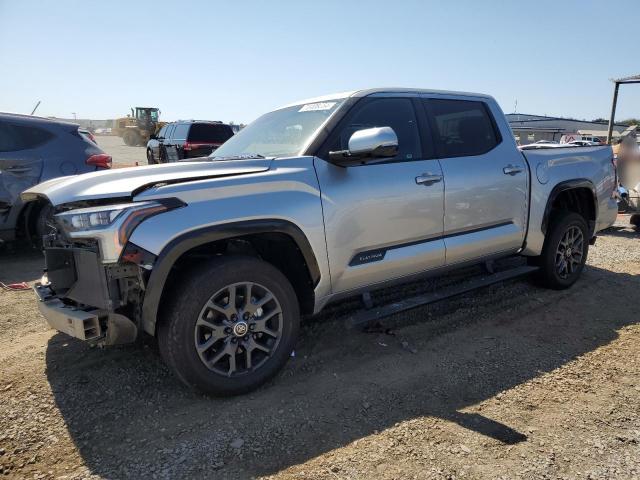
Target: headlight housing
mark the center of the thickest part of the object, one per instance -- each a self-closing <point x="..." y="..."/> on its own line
<point x="111" y="225"/>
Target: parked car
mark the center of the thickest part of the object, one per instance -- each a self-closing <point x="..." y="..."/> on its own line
<point x="583" y="143"/>
<point x="186" y="139"/>
<point x="576" y="137"/>
<point x="313" y="202"/>
<point x="34" y="149"/>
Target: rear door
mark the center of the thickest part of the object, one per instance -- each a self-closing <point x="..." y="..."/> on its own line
<point x="382" y="219"/>
<point x="204" y="138"/>
<point x="175" y="150"/>
<point x="20" y="162"/>
<point x="486" y="188"/>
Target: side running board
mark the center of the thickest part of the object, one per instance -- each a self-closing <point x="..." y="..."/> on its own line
<point x="363" y="317"/>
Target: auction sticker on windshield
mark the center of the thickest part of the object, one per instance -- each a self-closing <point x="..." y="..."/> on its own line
<point x="311" y="107"/>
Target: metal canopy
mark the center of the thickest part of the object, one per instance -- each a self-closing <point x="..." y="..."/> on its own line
<point x="617" y="83"/>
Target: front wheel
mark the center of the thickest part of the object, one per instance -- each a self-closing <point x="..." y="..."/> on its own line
<point x="230" y="326"/>
<point x="150" y="158"/>
<point x="564" y="252"/>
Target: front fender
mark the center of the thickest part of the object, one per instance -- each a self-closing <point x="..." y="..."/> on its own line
<point x="187" y="241"/>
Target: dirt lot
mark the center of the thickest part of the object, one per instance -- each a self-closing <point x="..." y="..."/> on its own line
<point x="123" y="156"/>
<point x="509" y="382"/>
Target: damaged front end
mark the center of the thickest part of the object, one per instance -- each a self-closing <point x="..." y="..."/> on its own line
<point x="95" y="280"/>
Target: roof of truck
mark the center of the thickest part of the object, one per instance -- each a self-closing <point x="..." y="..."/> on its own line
<point x="371" y="91"/>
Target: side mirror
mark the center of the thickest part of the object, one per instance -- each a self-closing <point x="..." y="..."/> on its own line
<point x="370" y="143"/>
<point x="153" y="136"/>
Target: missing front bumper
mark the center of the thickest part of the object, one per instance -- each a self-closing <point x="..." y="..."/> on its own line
<point x="77" y="323"/>
<point x="93" y="325"/>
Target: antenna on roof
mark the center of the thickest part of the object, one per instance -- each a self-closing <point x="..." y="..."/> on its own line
<point x="35" y="108"/>
<point x="515" y="106"/>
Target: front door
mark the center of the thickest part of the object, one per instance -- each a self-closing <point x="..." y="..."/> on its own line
<point x="486" y="176"/>
<point x="383" y="219"/>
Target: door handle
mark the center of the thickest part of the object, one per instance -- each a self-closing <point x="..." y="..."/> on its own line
<point x="512" y="169"/>
<point x="17" y="169"/>
<point x="428" y="179"/>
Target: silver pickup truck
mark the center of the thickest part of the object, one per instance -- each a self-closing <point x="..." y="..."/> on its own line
<point x="315" y="201"/>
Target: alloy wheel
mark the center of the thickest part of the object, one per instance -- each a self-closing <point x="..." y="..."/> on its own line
<point x="569" y="252"/>
<point x="238" y="329"/>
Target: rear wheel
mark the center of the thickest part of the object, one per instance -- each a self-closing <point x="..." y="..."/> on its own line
<point x="565" y="251"/>
<point x="231" y="326"/>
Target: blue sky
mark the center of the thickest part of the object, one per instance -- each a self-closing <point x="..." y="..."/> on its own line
<point x="232" y="61"/>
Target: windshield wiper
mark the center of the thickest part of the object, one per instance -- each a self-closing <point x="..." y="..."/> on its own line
<point x="239" y="157"/>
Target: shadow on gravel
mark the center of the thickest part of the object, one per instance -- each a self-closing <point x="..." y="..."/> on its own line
<point x="130" y="418"/>
<point x="628" y="231"/>
<point x="20" y="263"/>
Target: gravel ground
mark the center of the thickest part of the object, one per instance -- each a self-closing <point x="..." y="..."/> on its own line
<point x="122" y="155"/>
<point x="508" y="382"/>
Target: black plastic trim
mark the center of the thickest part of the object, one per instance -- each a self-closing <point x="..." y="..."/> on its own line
<point x="178" y="246"/>
<point x="563" y="187"/>
<point x="378" y="254"/>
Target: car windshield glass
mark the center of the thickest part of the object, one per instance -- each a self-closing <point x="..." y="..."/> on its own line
<point x="279" y="133"/>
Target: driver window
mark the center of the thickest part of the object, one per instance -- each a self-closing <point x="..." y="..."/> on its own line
<point x="396" y="113"/>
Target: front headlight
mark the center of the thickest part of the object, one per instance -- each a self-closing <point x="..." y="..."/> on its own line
<point x="84" y="219"/>
<point x="111" y="225"/>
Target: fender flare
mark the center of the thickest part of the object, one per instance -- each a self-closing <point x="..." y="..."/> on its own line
<point x="563" y="187"/>
<point x="189" y="240"/>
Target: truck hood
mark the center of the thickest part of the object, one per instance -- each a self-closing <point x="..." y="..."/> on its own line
<point x="127" y="182"/>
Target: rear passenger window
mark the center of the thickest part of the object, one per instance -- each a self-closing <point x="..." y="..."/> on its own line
<point x="396" y="113"/>
<point x="15" y="137"/>
<point x="209" y="133"/>
<point x="180" y="132"/>
<point x="462" y="127"/>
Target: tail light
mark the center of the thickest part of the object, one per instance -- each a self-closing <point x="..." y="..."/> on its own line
<point x="188" y="146"/>
<point x="101" y="160"/>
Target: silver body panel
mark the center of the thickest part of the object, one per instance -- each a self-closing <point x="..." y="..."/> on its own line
<point x="553" y="166"/>
<point x="378" y="206"/>
<point x="287" y="191"/>
<point x="124" y="182"/>
<point x="372" y="224"/>
<point x="479" y="195"/>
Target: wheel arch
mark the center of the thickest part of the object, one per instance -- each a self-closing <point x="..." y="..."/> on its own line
<point x="180" y="247"/>
<point x="578" y="195"/>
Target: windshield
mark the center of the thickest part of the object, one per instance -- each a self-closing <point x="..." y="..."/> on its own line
<point x="279" y="133"/>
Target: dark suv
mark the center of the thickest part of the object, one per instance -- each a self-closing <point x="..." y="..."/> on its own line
<point x="32" y="150"/>
<point x="186" y="139"/>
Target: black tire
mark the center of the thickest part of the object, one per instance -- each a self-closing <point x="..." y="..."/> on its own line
<point x="635" y="220"/>
<point x="129" y="138"/>
<point x="560" y="266"/>
<point x="43" y="224"/>
<point x="189" y="314"/>
<point x="150" y="159"/>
